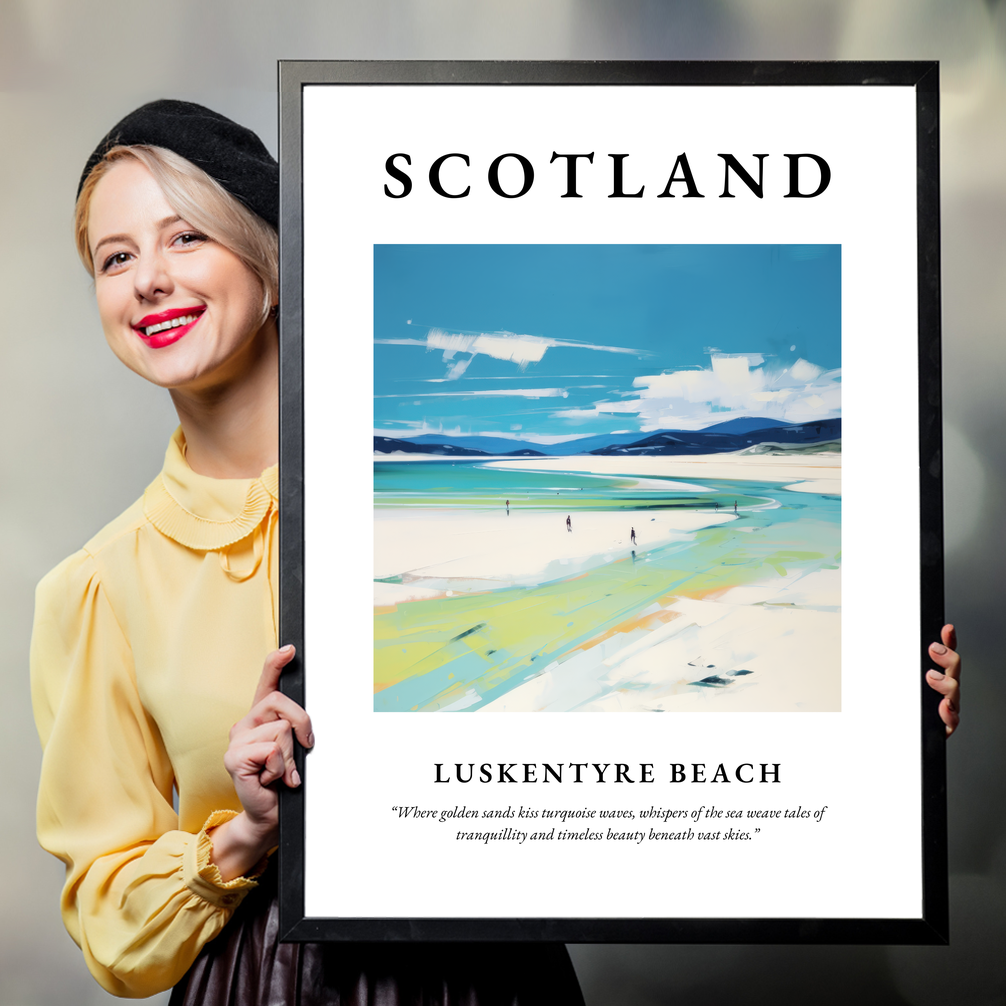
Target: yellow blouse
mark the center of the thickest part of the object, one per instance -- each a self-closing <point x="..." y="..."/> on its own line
<point x="147" y="647"/>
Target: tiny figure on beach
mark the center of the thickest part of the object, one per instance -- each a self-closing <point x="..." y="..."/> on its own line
<point x="735" y="506"/>
<point x="632" y="536"/>
<point x="569" y="523"/>
<point x="508" y="508"/>
<point x="716" y="504"/>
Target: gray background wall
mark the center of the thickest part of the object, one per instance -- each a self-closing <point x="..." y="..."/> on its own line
<point x="81" y="436"/>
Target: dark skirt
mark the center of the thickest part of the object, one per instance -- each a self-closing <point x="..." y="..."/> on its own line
<point x="246" y="965"/>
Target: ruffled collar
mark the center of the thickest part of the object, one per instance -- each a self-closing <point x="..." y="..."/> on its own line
<point x="203" y="513"/>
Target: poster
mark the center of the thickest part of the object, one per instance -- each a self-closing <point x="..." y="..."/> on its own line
<point x="609" y="407"/>
<point x="488" y="595"/>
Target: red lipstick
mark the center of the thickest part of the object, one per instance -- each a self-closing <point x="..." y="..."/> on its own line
<point x="166" y="327"/>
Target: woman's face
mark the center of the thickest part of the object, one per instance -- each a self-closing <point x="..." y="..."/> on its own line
<point x="177" y="308"/>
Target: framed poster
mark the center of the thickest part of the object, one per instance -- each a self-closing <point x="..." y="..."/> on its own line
<point x="610" y="390"/>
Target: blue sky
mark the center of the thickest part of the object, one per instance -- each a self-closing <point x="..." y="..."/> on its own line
<point x="551" y="342"/>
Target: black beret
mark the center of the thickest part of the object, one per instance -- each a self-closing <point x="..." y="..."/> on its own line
<point x="231" y="154"/>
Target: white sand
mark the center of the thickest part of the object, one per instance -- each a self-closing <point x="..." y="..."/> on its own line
<point x="388" y="594"/>
<point x="785" y="631"/>
<point x="830" y="487"/>
<point x="436" y="550"/>
<point x="805" y="468"/>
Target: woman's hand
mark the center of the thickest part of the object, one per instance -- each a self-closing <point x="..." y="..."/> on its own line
<point x="260" y="753"/>
<point x="947" y="682"/>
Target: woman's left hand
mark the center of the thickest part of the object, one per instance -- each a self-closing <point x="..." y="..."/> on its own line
<point x="948" y="681"/>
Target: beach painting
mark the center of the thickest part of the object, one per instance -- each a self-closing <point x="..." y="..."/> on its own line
<point x="607" y="478"/>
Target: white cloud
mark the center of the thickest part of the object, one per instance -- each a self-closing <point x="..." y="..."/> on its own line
<point x="456" y="370"/>
<point x="601" y="409"/>
<point x="519" y="349"/>
<point x="569" y="377"/>
<point x="734" y="385"/>
<point x="509" y="346"/>
<point x="493" y="393"/>
<point x="802" y="370"/>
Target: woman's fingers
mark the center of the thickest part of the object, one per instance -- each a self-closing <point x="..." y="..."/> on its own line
<point x="946" y="657"/>
<point x="260" y="761"/>
<point x="270" y="703"/>
<point x="271" y="671"/>
<point x="949" y="636"/>
<point x="276" y="734"/>
<point x="274" y="766"/>
<point x="948" y="660"/>
<point x="947" y="680"/>
<point x="949" y="688"/>
<point x="277" y="706"/>
<point x="949" y="710"/>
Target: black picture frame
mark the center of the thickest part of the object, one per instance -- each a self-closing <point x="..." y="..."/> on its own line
<point x="932" y="925"/>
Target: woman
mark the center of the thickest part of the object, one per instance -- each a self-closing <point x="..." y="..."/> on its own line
<point x="148" y="643"/>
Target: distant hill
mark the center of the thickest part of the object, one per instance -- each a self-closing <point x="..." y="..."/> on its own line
<point x="504" y="445"/>
<point x="714" y="440"/>
<point x="744" y="433"/>
<point x="389" y="445"/>
<point x="745" y="425"/>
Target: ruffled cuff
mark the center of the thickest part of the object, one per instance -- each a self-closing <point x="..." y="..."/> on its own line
<point x="203" y="878"/>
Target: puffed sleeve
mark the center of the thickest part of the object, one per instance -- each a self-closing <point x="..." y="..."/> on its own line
<point x="141" y="898"/>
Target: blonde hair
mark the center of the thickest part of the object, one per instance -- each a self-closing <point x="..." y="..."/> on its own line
<point x="199" y="200"/>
